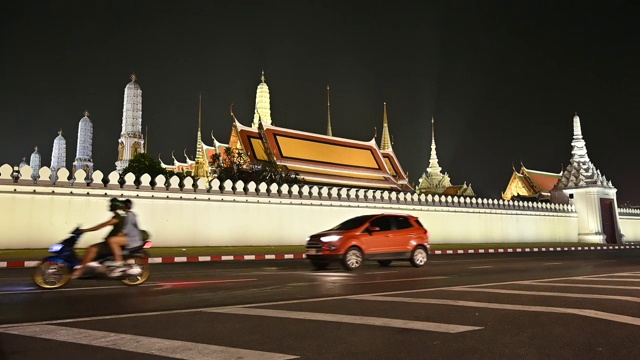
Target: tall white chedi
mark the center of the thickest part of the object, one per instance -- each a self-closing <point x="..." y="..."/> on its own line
<point x="263" y="105"/>
<point x="36" y="163"/>
<point x="84" y="158"/>
<point x="131" y="141"/>
<point x="593" y="196"/>
<point x="58" y="155"/>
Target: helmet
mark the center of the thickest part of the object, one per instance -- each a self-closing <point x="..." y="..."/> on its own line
<point x="115" y="204"/>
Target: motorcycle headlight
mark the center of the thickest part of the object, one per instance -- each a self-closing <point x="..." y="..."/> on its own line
<point x="55" y="248"/>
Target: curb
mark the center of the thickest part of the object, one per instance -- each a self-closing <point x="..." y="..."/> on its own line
<point x="190" y="259"/>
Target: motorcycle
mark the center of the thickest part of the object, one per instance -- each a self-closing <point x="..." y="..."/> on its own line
<point x="55" y="271"/>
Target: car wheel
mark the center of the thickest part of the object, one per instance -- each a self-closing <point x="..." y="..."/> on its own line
<point x="352" y="259"/>
<point x="384" y="262"/>
<point x="319" y="264"/>
<point x="419" y="256"/>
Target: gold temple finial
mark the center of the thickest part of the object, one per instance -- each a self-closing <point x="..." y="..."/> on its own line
<point x="133" y="77"/>
<point x="86" y="113"/>
<point x="35" y="148"/>
<point x="375" y="132"/>
<point x="60" y="132"/>
<point x="200" y="113"/>
<point x="262" y="77"/>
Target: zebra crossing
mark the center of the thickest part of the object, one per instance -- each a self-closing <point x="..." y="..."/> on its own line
<point x="520" y="296"/>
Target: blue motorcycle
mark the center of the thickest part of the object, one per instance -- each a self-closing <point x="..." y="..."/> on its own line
<point x="55" y="271"/>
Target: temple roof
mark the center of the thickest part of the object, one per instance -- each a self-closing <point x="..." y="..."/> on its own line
<point x="321" y="158"/>
<point x="528" y="183"/>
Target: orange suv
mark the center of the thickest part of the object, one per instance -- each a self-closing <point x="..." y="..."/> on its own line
<point x="381" y="237"/>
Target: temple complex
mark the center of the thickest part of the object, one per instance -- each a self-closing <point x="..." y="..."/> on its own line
<point x="433" y="181"/>
<point x="84" y="159"/>
<point x="530" y="185"/>
<point x="131" y="141"/>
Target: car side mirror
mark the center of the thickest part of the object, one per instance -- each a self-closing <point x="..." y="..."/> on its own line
<point x="371" y="229"/>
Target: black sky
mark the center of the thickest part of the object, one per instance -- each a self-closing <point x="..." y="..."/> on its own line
<point x="502" y="78"/>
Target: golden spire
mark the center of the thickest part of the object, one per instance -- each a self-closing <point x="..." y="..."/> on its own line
<point x="60" y="132"/>
<point x="329" y="133"/>
<point x="385" y="143"/>
<point x="262" y="76"/>
<point x="86" y="113"/>
<point x="201" y="166"/>
<point x="133" y="77"/>
<point x="35" y="148"/>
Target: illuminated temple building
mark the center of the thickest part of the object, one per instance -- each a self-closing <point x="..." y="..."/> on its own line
<point x="530" y="185"/>
<point x="433" y="181"/>
<point x="131" y="141"/>
<point x="318" y="159"/>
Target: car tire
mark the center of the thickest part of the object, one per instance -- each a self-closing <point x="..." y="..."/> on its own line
<point x="418" y="256"/>
<point x="384" y="263"/>
<point x="352" y="259"/>
<point x="319" y="264"/>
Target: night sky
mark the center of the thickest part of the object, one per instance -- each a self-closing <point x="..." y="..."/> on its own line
<point x="502" y="79"/>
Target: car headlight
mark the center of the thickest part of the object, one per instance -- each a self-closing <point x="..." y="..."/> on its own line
<point x="330" y="238"/>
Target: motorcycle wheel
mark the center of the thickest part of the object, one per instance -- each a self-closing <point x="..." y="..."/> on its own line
<point x="51" y="275"/>
<point x="142" y="262"/>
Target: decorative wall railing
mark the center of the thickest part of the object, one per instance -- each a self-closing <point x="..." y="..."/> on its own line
<point x="10" y="175"/>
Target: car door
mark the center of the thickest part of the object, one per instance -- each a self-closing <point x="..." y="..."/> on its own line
<point x="404" y="232"/>
<point x="378" y="240"/>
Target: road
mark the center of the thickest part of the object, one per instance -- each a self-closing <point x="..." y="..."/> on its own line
<point x="564" y="305"/>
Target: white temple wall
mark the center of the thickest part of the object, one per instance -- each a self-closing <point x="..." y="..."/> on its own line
<point x="37" y="215"/>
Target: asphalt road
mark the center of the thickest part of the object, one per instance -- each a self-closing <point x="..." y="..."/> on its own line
<point x="563" y="305"/>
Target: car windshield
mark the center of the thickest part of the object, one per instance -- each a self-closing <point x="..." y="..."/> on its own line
<point x="353" y="223"/>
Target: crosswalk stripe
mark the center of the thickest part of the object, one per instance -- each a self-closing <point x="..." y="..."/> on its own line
<point x="584" y="312"/>
<point x="141" y="344"/>
<point x="349" y="319"/>
<point x="546" y="293"/>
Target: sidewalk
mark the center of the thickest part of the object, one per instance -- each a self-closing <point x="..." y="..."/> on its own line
<point x="180" y="258"/>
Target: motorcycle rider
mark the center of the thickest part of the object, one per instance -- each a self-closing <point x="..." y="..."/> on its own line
<point x="130" y="229"/>
<point x="104" y="248"/>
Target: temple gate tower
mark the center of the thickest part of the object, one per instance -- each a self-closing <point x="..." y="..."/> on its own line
<point x="592" y="195"/>
<point x="263" y="105"/>
<point x="84" y="158"/>
<point x="131" y="141"/>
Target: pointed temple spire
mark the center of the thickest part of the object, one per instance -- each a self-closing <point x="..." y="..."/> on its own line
<point x="385" y="143"/>
<point x="263" y="104"/>
<point x="329" y="133"/>
<point x="84" y="149"/>
<point x="581" y="172"/>
<point x="434" y="167"/>
<point x="201" y="164"/>
<point x="131" y="140"/>
<point x="36" y="163"/>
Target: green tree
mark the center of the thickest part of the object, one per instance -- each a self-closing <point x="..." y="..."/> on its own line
<point x="233" y="164"/>
<point x="143" y="163"/>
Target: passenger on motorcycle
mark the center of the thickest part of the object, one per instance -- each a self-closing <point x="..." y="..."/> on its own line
<point x="130" y="229"/>
<point x="115" y="236"/>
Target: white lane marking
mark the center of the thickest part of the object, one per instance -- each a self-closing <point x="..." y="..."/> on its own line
<point x="602" y="278"/>
<point x="553" y="263"/>
<point x="156" y="284"/>
<point x="546" y="293"/>
<point x="480" y="267"/>
<point x="142" y="344"/>
<point x="395" y="280"/>
<point x="350" y="319"/>
<point x="380" y="272"/>
<point x="583" y="312"/>
<point x="543" y="283"/>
